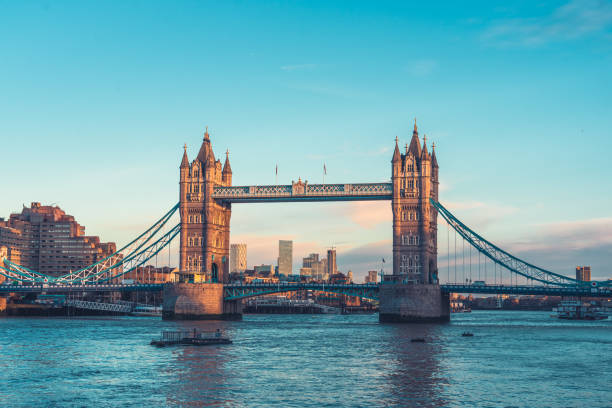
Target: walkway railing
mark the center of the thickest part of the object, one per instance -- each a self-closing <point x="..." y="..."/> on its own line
<point x="305" y="192"/>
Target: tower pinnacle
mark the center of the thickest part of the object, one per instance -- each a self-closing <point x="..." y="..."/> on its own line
<point x="226" y="167"/>
<point x="396" y="152"/>
<point x="185" y="161"/>
<point x="206" y="136"/>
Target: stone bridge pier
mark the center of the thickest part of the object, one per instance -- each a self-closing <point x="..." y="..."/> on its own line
<point x="199" y="301"/>
<point x="414" y="303"/>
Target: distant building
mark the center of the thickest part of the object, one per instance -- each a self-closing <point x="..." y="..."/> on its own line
<point x="238" y="258"/>
<point x="349" y="276"/>
<point x="47" y="240"/>
<point x="314" y="267"/>
<point x="371" y="277"/>
<point x="307" y="272"/>
<point x="264" y="270"/>
<point x="150" y="274"/>
<point x="285" y="257"/>
<point x="332" y="268"/>
<point x="583" y="273"/>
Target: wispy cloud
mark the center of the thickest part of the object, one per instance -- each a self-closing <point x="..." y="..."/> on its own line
<point x="366" y="214"/>
<point x="298" y="67"/>
<point x="569" y="236"/>
<point x="575" y="19"/>
<point x="422" y="67"/>
<point x="479" y="215"/>
<point x="562" y="246"/>
<point x="366" y="258"/>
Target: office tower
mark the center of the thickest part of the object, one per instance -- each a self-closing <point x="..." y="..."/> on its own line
<point x="238" y="258"/>
<point x="285" y="257"/>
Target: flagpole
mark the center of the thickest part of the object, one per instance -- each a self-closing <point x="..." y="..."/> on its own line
<point x="276" y="175"/>
<point x="324" y="172"/>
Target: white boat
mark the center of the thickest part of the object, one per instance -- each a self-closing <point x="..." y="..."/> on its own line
<point x="147" y="311"/>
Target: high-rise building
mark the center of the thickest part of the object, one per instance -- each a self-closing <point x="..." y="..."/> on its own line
<point x="349" y="276"/>
<point x="285" y="257"/>
<point x="47" y="240"/>
<point x="415" y="181"/>
<point x="583" y="273"/>
<point x="314" y="267"/>
<point x="238" y="258"/>
<point x="332" y="268"/>
<point x="371" y="277"/>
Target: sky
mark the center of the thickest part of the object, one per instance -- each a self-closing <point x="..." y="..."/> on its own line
<point x="98" y="98"/>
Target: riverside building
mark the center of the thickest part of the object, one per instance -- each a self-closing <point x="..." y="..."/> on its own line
<point x="47" y="240"/>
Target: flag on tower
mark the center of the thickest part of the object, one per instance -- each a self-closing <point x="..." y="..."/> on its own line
<point x="324" y="169"/>
<point x="277" y="169"/>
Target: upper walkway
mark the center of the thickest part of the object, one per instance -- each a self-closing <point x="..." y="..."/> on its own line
<point x="302" y="191"/>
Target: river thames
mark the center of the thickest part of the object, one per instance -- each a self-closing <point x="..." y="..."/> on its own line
<point x="515" y="359"/>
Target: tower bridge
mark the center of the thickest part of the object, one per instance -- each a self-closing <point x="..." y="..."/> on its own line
<point x="412" y="292"/>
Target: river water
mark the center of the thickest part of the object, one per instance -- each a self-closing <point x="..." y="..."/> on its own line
<point x="515" y="359"/>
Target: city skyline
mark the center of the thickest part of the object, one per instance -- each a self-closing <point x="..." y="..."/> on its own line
<point x="518" y="158"/>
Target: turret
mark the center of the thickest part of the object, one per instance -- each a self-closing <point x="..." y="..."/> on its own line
<point x="396" y="160"/>
<point x="434" y="172"/>
<point x="185" y="161"/>
<point x="227" y="170"/>
<point x="184" y="175"/>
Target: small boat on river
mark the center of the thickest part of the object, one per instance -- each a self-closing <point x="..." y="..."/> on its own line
<point x="190" y="338"/>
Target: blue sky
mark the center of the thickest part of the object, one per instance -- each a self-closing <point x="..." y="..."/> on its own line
<point x="97" y="99"/>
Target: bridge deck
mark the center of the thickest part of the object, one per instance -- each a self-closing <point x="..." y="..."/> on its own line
<point x="304" y="192"/>
<point x="241" y="291"/>
<point x="80" y="288"/>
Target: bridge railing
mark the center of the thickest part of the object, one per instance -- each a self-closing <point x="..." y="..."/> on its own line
<point x="304" y="191"/>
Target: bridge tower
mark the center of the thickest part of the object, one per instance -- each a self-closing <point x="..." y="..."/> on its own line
<point x="205" y="223"/>
<point x="414" y="295"/>
<point x="204" y="241"/>
<point x="414" y="177"/>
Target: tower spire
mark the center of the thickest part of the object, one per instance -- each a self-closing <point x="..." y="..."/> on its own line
<point x="434" y="161"/>
<point x="226" y="167"/>
<point x="206" y="135"/>
<point x="424" y="152"/>
<point x="396" y="152"/>
<point x="415" y="144"/>
<point x="185" y="161"/>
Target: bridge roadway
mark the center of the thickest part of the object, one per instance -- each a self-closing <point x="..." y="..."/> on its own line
<point x="234" y="291"/>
